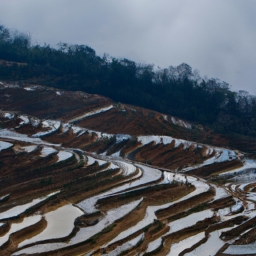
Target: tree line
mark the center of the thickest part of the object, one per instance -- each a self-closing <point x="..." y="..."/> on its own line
<point x="178" y="91"/>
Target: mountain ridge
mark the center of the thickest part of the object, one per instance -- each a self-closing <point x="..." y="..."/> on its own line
<point x="176" y="91"/>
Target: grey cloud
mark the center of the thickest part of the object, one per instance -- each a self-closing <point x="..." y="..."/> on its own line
<point x="217" y="37"/>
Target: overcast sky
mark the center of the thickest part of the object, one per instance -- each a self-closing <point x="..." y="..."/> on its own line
<point x="217" y="37"/>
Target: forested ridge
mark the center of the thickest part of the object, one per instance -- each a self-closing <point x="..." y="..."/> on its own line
<point x="177" y="91"/>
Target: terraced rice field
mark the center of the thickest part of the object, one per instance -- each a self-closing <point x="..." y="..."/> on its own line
<point x="68" y="190"/>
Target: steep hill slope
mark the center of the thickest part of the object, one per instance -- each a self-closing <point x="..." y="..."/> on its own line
<point x="111" y="117"/>
<point x="83" y="175"/>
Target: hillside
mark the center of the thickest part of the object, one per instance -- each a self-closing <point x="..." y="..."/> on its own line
<point x="84" y="175"/>
<point x="50" y="103"/>
<point x="174" y="90"/>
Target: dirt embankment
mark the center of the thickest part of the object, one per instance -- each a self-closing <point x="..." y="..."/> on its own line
<point x="185" y="205"/>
